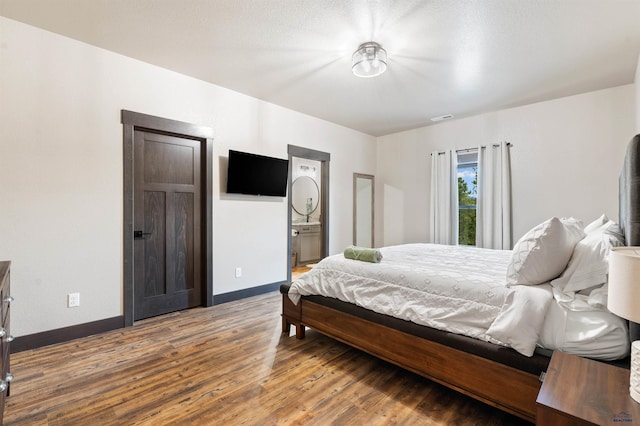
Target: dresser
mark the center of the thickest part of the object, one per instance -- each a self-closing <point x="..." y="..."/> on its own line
<point x="5" y="336"/>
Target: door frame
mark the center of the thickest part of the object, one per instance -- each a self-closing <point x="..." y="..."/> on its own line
<point x="324" y="158"/>
<point x="132" y="121"/>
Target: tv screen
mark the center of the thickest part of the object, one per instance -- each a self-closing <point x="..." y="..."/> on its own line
<point x="256" y="174"/>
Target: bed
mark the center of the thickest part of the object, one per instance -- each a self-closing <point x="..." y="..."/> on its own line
<point x="488" y="348"/>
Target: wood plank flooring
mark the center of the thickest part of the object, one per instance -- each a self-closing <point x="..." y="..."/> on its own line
<point x="299" y="270"/>
<point x="225" y="365"/>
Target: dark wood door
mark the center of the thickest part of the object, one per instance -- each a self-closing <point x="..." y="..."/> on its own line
<point x="167" y="224"/>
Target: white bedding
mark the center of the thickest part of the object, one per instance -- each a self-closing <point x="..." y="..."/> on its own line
<point x="582" y="325"/>
<point x="463" y="290"/>
<point x="457" y="289"/>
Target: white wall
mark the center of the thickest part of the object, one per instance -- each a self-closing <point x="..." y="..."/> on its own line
<point x="61" y="173"/>
<point x="566" y="159"/>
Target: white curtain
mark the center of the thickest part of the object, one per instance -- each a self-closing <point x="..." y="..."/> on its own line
<point x="444" y="198"/>
<point x="493" y="210"/>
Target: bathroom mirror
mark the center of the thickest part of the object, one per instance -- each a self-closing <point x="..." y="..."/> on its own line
<point x="305" y="196"/>
<point x="363" y="202"/>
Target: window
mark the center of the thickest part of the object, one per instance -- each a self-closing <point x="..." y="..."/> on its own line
<point x="467" y="197"/>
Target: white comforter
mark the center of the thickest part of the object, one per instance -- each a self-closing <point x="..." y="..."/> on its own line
<point x="451" y="288"/>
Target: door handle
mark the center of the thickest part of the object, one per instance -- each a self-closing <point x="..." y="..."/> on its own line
<point x="139" y="235"/>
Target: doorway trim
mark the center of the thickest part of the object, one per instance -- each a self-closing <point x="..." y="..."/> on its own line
<point x="132" y="121"/>
<point x="324" y="158"/>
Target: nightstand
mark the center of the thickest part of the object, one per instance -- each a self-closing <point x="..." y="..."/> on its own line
<point x="579" y="391"/>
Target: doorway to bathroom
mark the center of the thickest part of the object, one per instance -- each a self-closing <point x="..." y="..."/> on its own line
<point x="308" y="212"/>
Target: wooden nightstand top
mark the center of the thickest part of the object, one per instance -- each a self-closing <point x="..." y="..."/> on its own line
<point x="582" y="391"/>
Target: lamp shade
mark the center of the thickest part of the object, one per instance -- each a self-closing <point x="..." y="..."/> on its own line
<point x="370" y="60"/>
<point x="624" y="282"/>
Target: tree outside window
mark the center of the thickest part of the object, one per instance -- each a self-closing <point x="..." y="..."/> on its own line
<point x="467" y="197"/>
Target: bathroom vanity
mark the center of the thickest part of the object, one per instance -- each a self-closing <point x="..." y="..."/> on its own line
<point x="307" y="242"/>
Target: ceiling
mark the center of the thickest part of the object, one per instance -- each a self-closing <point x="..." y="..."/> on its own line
<point x="445" y="57"/>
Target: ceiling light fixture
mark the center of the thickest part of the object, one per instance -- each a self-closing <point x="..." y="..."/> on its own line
<point x="370" y="60"/>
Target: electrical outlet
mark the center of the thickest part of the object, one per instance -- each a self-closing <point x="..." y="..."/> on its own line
<point x="238" y="272"/>
<point x="73" y="300"/>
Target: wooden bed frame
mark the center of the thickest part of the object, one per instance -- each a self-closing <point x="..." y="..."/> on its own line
<point x="496" y="384"/>
<point x="508" y="388"/>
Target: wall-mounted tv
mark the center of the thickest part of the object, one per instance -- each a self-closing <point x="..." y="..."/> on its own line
<point x="256" y="174"/>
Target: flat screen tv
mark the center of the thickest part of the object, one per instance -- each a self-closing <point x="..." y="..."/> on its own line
<point x="256" y="174"/>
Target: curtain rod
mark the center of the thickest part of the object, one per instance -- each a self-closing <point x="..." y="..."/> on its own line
<point x="458" y="151"/>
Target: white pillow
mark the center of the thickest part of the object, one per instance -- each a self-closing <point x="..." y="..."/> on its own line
<point x="574" y="227"/>
<point x="521" y="317"/>
<point x="543" y="252"/>
<point x="604" y="224"/>
<point x="613" y="230"/>
<point x="589" y="264"/>
<point x="596" y="224"/>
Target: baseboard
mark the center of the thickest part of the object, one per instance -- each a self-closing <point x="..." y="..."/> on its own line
<point x="247" y="292"/>
<point x="60" y="335"/>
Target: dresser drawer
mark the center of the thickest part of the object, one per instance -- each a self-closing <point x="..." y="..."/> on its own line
<point x="307" y="229"/>
<point x="5" y="297"/>
<point x="5" y="334"/>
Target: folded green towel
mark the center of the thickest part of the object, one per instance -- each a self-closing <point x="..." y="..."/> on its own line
<point x="363" y="253"/>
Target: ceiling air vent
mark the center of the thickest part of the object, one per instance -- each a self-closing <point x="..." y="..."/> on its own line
<point x="443" y="117"/>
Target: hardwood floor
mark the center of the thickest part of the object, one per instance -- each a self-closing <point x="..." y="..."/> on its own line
<point x="299" y="270"/>
<point x="225" y="365"/>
